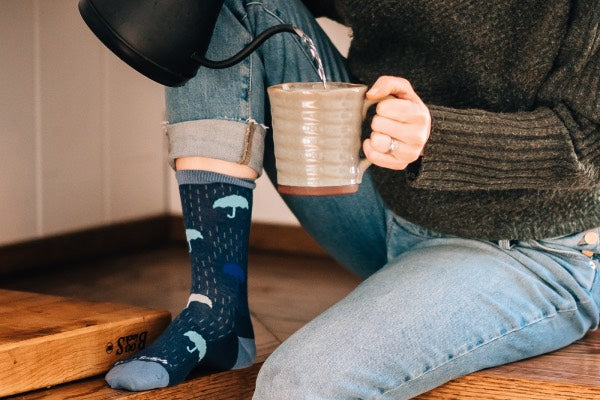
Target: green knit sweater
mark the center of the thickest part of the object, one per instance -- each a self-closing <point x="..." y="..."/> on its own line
<point x="513" y="87"/>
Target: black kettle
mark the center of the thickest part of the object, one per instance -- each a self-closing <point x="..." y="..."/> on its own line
<point x="165" y="40"/>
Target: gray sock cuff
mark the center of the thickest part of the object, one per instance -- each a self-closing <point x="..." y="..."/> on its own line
<point x="188" y="176"/>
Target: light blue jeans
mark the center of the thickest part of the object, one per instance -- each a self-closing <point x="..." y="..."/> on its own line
<point x="432" y="307"/>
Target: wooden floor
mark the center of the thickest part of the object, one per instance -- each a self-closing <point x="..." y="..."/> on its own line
<point x="285" y="292"/>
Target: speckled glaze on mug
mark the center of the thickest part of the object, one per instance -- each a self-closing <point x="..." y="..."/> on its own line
<point x="317" y="132"/>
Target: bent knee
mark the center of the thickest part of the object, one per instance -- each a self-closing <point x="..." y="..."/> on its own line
<point x="296" y="371"/>
<point x="286" y="377"/>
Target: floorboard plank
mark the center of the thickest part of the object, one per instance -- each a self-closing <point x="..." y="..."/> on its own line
<point x="230" y="385"/>
<point x="285" y="292"/>
<point x="481" y="387"/>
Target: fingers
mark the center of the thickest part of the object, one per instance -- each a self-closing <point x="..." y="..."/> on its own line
<point x="396" y="160"/>
<point x="405" y="120"/>
<point x="399" y="87"/>
<point x="380" y="142"/>
<point x="402" y="111"/>
<point x="408" y="133"/>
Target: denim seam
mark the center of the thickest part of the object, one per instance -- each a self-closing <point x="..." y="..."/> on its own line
<point x="391" y="222"/>
<point x="390" y="227"/>
<point x="243" y="121"/>
<point x="295" y="37"/>
<point x="244" y="17"/>
<point x="544" y="318"/>
<point x="248" y="60"/>
<point x="249" y="102"/>
<point x="219" y="117"/>
<point x="248" y="140"/>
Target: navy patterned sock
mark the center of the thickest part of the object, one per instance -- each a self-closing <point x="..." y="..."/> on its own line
<point x="214" y="331"/>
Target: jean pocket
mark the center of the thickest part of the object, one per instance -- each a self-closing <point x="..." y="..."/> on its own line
<point x="585" y="242"/>
<point x="576" y="252"/>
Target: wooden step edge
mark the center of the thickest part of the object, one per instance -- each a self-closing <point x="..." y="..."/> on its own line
<point x="127" y="237"/>
<point x="162" y="316"/>
<point x="79" y="246"/>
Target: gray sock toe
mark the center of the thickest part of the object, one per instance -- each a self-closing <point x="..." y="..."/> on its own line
<point x="246" y="353"/>
<point x="137" y="376"/>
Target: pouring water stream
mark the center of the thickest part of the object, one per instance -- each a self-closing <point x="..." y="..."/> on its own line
<point x="314" y="54"/>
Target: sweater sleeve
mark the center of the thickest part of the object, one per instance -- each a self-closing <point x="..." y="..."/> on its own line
<point x="556" y="145"/>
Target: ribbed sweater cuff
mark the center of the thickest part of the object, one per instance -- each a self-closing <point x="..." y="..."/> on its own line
<point x="474" y="149"/>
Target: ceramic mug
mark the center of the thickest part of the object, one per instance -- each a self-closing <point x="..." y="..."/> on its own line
<point x="317" y="135"/>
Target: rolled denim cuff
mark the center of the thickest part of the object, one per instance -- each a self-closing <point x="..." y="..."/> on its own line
<point x="233" y="141"/>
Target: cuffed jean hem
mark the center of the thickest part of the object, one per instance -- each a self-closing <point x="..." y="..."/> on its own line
<point x="233" y="141"/>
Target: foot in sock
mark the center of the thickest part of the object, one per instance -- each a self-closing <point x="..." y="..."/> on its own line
<point x="214" y="332"/>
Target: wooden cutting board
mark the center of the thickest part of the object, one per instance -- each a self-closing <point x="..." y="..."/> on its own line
<point x="229" y="385"/>
<point x="47" y="340"/>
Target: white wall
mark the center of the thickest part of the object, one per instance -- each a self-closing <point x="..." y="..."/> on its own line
<point x="81" y="143"/>
<point x="81" y="140"/>
<point x="17" y="123"/>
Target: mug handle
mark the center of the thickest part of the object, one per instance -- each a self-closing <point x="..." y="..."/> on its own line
<point x="364" y="163"/>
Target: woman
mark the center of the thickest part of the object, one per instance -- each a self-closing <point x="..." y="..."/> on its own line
<point x="476" y="230"/>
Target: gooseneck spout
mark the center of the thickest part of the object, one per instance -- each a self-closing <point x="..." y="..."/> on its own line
<point x="245" y="52"/>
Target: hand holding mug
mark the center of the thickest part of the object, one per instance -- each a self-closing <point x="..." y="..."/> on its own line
<point x="401" y="127"/>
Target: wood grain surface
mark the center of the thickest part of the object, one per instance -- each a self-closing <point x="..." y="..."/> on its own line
<point x="47" y="340"/>
<point x="285" y="293"/>
<point x="481" y="387"/>
<point x="229" y="385"/>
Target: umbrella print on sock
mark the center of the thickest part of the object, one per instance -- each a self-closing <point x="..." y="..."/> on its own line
<point x="192" y="234"/>
<point x="234" y="271"/>
<point x="199" y="344"/>
<point x="234" y="201"/>
<point x="200" y="298"/>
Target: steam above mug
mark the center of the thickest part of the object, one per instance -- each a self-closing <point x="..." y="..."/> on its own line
<point x="164" y="40"/>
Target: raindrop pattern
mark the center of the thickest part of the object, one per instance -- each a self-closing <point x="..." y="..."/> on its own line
<point x="205" y="334"/>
